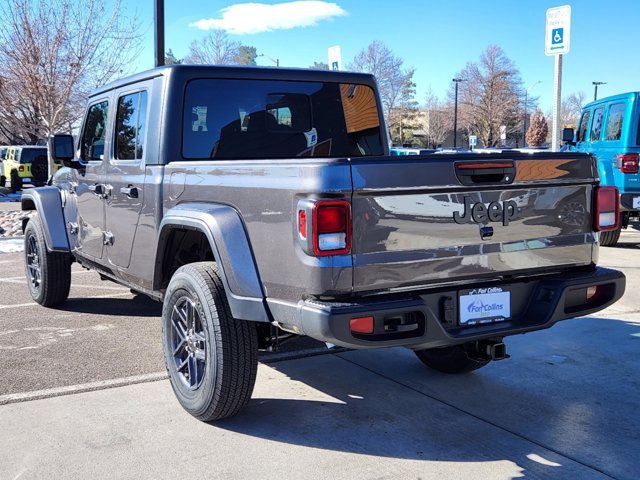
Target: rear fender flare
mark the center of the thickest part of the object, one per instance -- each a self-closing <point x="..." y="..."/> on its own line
<point x="225" y="231"/>
<point x="47" y="201"/>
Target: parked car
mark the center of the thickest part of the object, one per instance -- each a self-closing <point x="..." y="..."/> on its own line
<point x="609" y="129"/>
<point x="25" y="164"/>
<point x="260" y="203"/>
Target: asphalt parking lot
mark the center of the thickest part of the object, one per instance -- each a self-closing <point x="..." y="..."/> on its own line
<point x="564" y="406"/>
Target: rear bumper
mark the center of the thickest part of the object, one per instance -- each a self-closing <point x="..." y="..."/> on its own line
<point x="536" y="303"/>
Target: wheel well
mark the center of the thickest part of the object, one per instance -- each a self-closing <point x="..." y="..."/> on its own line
<point x="183" y="246"/>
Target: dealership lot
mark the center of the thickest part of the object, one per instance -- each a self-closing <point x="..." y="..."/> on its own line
<point x="564" y="406"/>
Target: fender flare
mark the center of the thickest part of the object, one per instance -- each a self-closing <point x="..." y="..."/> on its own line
<point x="47" y="201"/>
<point x="225" y="230"/>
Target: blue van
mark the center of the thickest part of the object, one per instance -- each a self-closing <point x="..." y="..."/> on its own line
<point x="609" y="130"/>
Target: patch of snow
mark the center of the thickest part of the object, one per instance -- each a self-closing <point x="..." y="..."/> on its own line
<point x="11" y="245"/>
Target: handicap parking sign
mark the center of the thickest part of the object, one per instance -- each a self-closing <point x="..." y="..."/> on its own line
<point x="557" y="35"/>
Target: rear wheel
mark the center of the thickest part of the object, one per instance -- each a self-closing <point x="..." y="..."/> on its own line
<point x="450" y="359"/>
<point x="211" y="358"/>
<point x="16" y="181"/>
<point x="610" y="238"/>
<point x="3" y="181"/>
<point x="48" y="273"/>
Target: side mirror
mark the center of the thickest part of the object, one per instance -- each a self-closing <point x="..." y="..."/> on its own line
<point x="567" y="135"/>
<point x="62" y="150"/>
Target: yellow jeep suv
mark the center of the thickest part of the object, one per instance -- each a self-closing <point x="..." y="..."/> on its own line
<point x="24" y="164"/>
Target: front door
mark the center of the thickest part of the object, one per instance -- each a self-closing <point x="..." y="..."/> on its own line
<point x="125" y="175"/>
<point x="90" y="182"/>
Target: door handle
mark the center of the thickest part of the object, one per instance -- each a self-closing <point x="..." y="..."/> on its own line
<point x="130" y="191"/>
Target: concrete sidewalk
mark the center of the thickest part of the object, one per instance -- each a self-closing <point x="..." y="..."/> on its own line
<point x="369" y="414"/>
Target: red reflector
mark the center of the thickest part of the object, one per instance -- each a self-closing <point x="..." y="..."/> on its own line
<point x="627" y="162"/>
<point x="302" y="223"/>
<point x="361" y="325"/>
<point x="591" y="292"/>
<point x="332" y="219"/>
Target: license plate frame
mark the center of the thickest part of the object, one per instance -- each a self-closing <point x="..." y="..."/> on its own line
<point x="480" y="306"/>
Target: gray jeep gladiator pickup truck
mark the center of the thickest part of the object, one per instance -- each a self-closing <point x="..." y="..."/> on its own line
<point x="256" y="203"/>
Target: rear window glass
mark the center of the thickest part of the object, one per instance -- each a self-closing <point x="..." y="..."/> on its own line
<point x="596" y="124"/>
<point x="28" y="155"/>
<point x="231" y="119"/>
<point x="582" y="131"/>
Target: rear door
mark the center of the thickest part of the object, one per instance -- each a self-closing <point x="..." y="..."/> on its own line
<point x="441" y="218"/>
<point x="126" y="172"/>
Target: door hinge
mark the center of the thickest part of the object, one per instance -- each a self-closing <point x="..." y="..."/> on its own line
<point x="107" y="238"/>
<point x="73" y="228"/>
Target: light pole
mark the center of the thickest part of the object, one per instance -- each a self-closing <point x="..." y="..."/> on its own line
<point x="524" y="120"/>
<point x="274" y="60"/>
<point x="595" y="89"/>
<point x="159" y="31"/>
<point x="455" y="112"/>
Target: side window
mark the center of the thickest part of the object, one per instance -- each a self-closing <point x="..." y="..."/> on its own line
<point x="582" y="131"/>
<point x="596" y="124"/>
<point x="130" y="126"/>
<point x="92" y="146"/>
<point x="614" y="122"/>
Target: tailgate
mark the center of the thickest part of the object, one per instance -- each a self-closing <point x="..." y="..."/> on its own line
<point x="442" y="218"/>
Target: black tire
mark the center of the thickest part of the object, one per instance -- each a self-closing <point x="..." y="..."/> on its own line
<point x="16" y="181"/>
<point x="450" y="359"/>
<point x="3" y="181"/>
<point x="211" y="358"/>
<point x="48" y="273"/>
<point x="610" y="238"/>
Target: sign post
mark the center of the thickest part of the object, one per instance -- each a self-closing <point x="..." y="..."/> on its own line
<point x="473" y="141"/>
<point x="557" y="42"/>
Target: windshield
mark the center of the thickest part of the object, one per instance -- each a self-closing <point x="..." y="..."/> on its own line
<point x="228" y="119"/>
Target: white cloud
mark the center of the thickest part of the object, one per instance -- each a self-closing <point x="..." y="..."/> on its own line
<point x="246" y="18"/>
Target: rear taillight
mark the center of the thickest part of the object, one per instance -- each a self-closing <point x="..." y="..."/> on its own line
<point x="607" y="209"/>
<point x="21" y="168"/>
<point x="627" y="162"/>
<point x="324" y="227"/>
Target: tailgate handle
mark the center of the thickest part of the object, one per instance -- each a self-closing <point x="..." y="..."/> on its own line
<point x="485" y="173"/>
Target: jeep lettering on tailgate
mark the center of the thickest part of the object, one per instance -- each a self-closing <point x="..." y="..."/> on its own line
<point x="480" y="213"/>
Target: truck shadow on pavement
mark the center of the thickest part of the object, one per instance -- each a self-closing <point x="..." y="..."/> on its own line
<point x="543" y="411"/>
<point x="138" y="306"/>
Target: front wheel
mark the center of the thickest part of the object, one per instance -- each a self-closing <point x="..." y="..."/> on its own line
<point x="450" y="359"/>
<point x="211" y="358"/>
<point x="48" y="273"/>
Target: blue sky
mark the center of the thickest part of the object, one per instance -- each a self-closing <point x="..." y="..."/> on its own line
<point x="437" y="38"/>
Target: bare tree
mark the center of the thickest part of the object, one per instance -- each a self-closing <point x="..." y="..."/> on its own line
<point x="537" y="133"/>
<point x="490" y="96"/>
<point x="215" y="49"/>
<point x="319" y="66"/>
<point x="571" y="108"/>
<point x="438" y="119"/>
<point x="392" y="79"/>
<point x="52" y="54"/>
